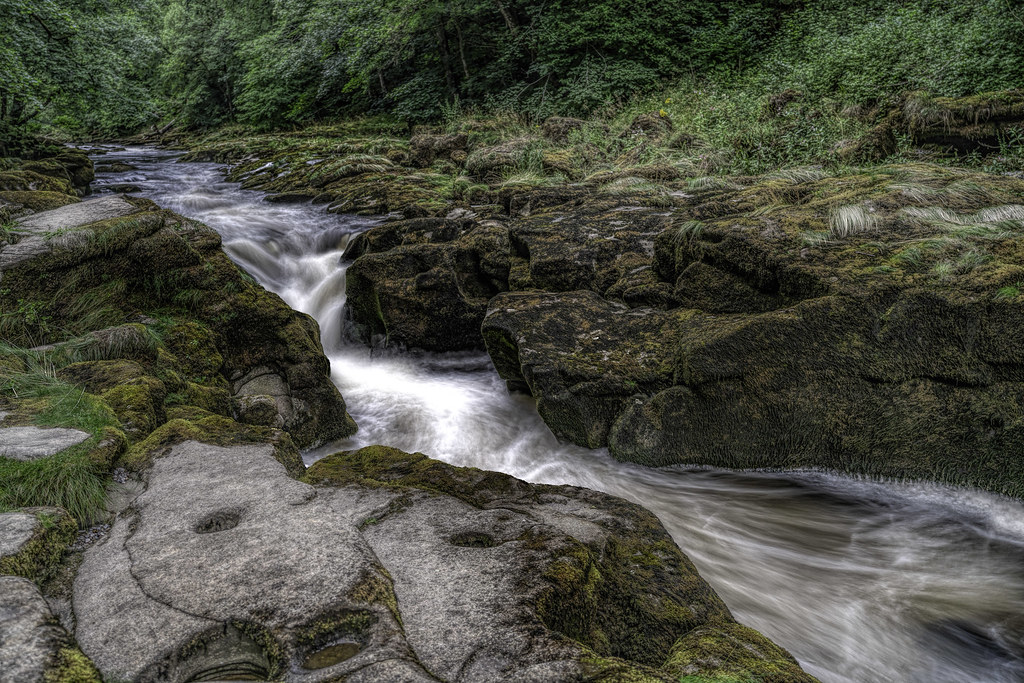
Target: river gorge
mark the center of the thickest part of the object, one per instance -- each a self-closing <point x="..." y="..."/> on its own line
<point x="861" y="580"/>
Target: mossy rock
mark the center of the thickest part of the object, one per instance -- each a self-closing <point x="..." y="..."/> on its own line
<point x="218" y="323"/>
<point x="30" y="181"/>
<point x="975" y="123"/>
<point x="425" y="283"/>
<point x="195" y="348"/>
<point x="189" y="423"/>
<point x="40" y="556"/>
<point x="39" y="200"/>
<point x="382" y="466"/>
<point x="139" y="405"/>
<point x="733" y="652"/>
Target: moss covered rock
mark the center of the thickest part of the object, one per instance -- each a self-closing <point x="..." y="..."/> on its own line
<point x="113" y="260"/>
<point x="860" y="323"/>
<point x="425" y="283"/>
<point x="33" y="541"/>
<point x="38" y="200"/>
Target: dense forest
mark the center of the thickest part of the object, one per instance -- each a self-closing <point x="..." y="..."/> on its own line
<point x="108" y="67"/>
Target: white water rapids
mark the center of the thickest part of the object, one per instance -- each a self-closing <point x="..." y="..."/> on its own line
<point x="860" y="580"/>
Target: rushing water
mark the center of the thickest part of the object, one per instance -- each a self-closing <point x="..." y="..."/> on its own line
<point x="860" y="580"/>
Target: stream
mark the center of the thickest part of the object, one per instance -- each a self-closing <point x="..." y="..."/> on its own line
<point x="861" y="580"/>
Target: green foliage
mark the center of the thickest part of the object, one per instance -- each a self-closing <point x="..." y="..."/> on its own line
<point x="77" y="65"/>
<point x="866" y="50"/>
<point x="69" y="479"/>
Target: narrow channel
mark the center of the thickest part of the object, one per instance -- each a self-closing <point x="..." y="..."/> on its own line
<point x="861" y="580"/>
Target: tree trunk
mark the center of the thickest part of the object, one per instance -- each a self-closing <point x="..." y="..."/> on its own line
<point x="446" y="62"/>
<point x="509" y="21"/>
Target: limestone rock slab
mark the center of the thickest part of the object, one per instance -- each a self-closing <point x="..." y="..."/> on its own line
<point x="77" y="215"/>
<point x="32" y="443"/>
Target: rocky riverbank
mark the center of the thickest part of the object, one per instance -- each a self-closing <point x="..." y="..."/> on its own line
<point x="859" y="320"/>
<point x="165" y="395"/>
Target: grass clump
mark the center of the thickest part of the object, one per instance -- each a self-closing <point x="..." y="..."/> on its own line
<point x="69" y="479"/>
<point x="846" y="221"/>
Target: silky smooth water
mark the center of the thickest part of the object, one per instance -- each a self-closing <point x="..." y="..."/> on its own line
<point x="861" y="580"/>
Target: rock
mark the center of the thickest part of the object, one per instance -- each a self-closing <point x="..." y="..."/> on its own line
<point x="33" y="647"/>
<point x="975" y="123"/>
<point x="33" y="540"/>
<point x="597" y="244"/>
<point x="122" y="188"/>
<point x="425" y="283"/>
<point x="425" y="148"/>
<point x="79" y="168"/>
<point x="858" y="330"/>
<point x="16" y="530"/>
<point x="38" y="201"/>
<point x="224" y="326"/>
<point x="244" y="571"/>
<point x="30" y="181"/>
<point x="733" y="652"/>
<point x="78" y="215"/>
<point x="616" y="352"/>
<point x="32" y="443"/>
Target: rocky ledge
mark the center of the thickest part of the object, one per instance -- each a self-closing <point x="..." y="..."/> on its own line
<point x="860" y="322"/>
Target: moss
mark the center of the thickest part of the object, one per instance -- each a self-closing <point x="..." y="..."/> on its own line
<point x="377" y="588"/>
<point x="215" y="399"/>
<point x="41" y="556"/>
<point x="110" y="445"/>
<point x="72" y="666"/>
<point x="38" y="201"/>
<point x="733" y="651"/>
<point x="31" y="181"/>
<point x="138" y="404"/>
<point x="189" y="423"/>
<point x="194" y="346"/>
<point x="382" y="466"/>
<point x="97" y="377"/>
<point x="632" y="599"/>
<point x="343" y="623"/>
<point x="612" y="670"/>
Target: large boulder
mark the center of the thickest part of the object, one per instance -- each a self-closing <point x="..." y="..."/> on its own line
<point x="425" y="283"/>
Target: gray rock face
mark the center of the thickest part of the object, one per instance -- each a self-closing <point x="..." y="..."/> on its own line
<point x="242" y="543"/>
<point x="32" y="443"/>
<point x="29" y="635"/>
<point x="226" y="566"/>
<point x="40" y="227"/>
<point x="16" y="530"/>
<point x="77" y="215"/>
